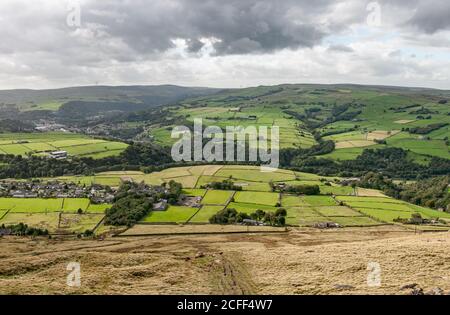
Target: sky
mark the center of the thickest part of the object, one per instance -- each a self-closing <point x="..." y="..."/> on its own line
<point x="225" y="44"/>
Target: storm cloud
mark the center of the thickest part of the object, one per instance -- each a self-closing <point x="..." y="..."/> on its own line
<point x="217" y="43"/>
<point x="236" y="26"/>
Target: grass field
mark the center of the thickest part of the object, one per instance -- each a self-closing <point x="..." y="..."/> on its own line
<point x="291" y="133"/>
<point x="260" y="198"/>
<point x="309" y="210"/>
<point x="387" y="209"/>
<point x="250" y="207"/>
<point x="174" y="214"/>
<point x="79" y="223"/>
<point x="380" y="115"/>
<point x="217" y="197"/>
<point x="205" y="213"/>
<point x="56" y="215"/>
<point x="74" y="144"/>
<point x="50" y="205"/>
<point x="368" y="207"/>
<point x="47" y="221"/>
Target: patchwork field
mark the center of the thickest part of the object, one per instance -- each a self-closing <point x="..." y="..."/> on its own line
<point x="387" y="209"/>
<point x="354" y="117"/>
<point x="56" y="215"/>
<point x="74" y="144"/>
<point x="291" y="132"/>
<point x="361" y="207"/>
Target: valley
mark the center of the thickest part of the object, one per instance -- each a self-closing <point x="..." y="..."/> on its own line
<point x="363" y="178"/>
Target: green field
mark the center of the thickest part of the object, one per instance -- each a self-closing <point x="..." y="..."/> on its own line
<point x="387" y="210"/>
<point x="217" y="197"/>
<point x="255" y="175"/>
<point x="337" y="211"/>
<point x="301" y="210"/>
<point x="72" y="205"/>
<point x="319" y="200"/>
<point x="74" y="144"/>
<point x="56" y="215"/>
<point x="205" y="213"/>
<point x="174" y="214"/>
<point x="29" y="205"/>
<point x="260" y="198"/>
<point x="291" y="132"/>
<point x="250" y="207"/>
<point x="369" y="114"/>
<point x="194" y="192"/>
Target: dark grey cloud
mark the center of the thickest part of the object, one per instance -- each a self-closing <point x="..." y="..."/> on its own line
<point x="431" y="16"/>
<point x="223" y="42"/>
<point x="240" y="26"/>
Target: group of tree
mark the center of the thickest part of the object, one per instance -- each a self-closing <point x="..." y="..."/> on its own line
<point x="423" y="130"/>
<point x="432" y="193"/>
<point x="226" y="184"/>
<point x="232" y="216"/>
<point x="134" y="201"/>
<point x="22" y="229"/>
<point x="135" y="157"/>
<point x="308" y="190"/>
<point x="147" y="157"/>
<point x="392" y="162"/>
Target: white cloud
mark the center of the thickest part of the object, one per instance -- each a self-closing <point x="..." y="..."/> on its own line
<point x="223" y="44"/>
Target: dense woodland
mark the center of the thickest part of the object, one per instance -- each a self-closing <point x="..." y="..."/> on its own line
<point x="432" y="193"/>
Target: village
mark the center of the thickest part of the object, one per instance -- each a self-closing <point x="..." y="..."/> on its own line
<point x="97" y="194"/>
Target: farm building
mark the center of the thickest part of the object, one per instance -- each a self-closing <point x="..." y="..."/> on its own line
<point x="160" y="206"/>
<point x="251" y="222"/>
<point x="58" y="154"/>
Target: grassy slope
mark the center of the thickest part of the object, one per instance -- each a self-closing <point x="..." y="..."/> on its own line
<point x="381" y="111"/>
<point x="74" y="144"/>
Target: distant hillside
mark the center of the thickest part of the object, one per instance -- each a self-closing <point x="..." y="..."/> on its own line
<point x="120" y="97"/>
<point x="336" y="122"/>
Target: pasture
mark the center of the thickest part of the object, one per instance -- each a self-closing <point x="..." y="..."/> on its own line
<point x="174" y="214"/>
<point x="387" y="209"/>
<point x="56" y="215"/>
<point x="363" y="207"/>
<point x="42" y="143"/>
<point x="260" y="198"/>
<point x="206" y="212"/>
<point x="217" y="197"/>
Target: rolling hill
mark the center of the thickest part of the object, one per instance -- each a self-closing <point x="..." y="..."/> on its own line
<point x="352" y="117"/>
<point x="93" y="98"/>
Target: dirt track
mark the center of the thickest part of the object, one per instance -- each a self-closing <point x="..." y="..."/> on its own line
<point x="300" y="262"/>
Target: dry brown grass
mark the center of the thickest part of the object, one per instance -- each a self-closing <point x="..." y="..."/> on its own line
<point x="354" y="144"/>
<point x="304" y="261"/>
<point x="381" y="134"/>
<point x="146" y="229"/>
<point x="365" y="192"/>
<point x="404" y="121"/>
